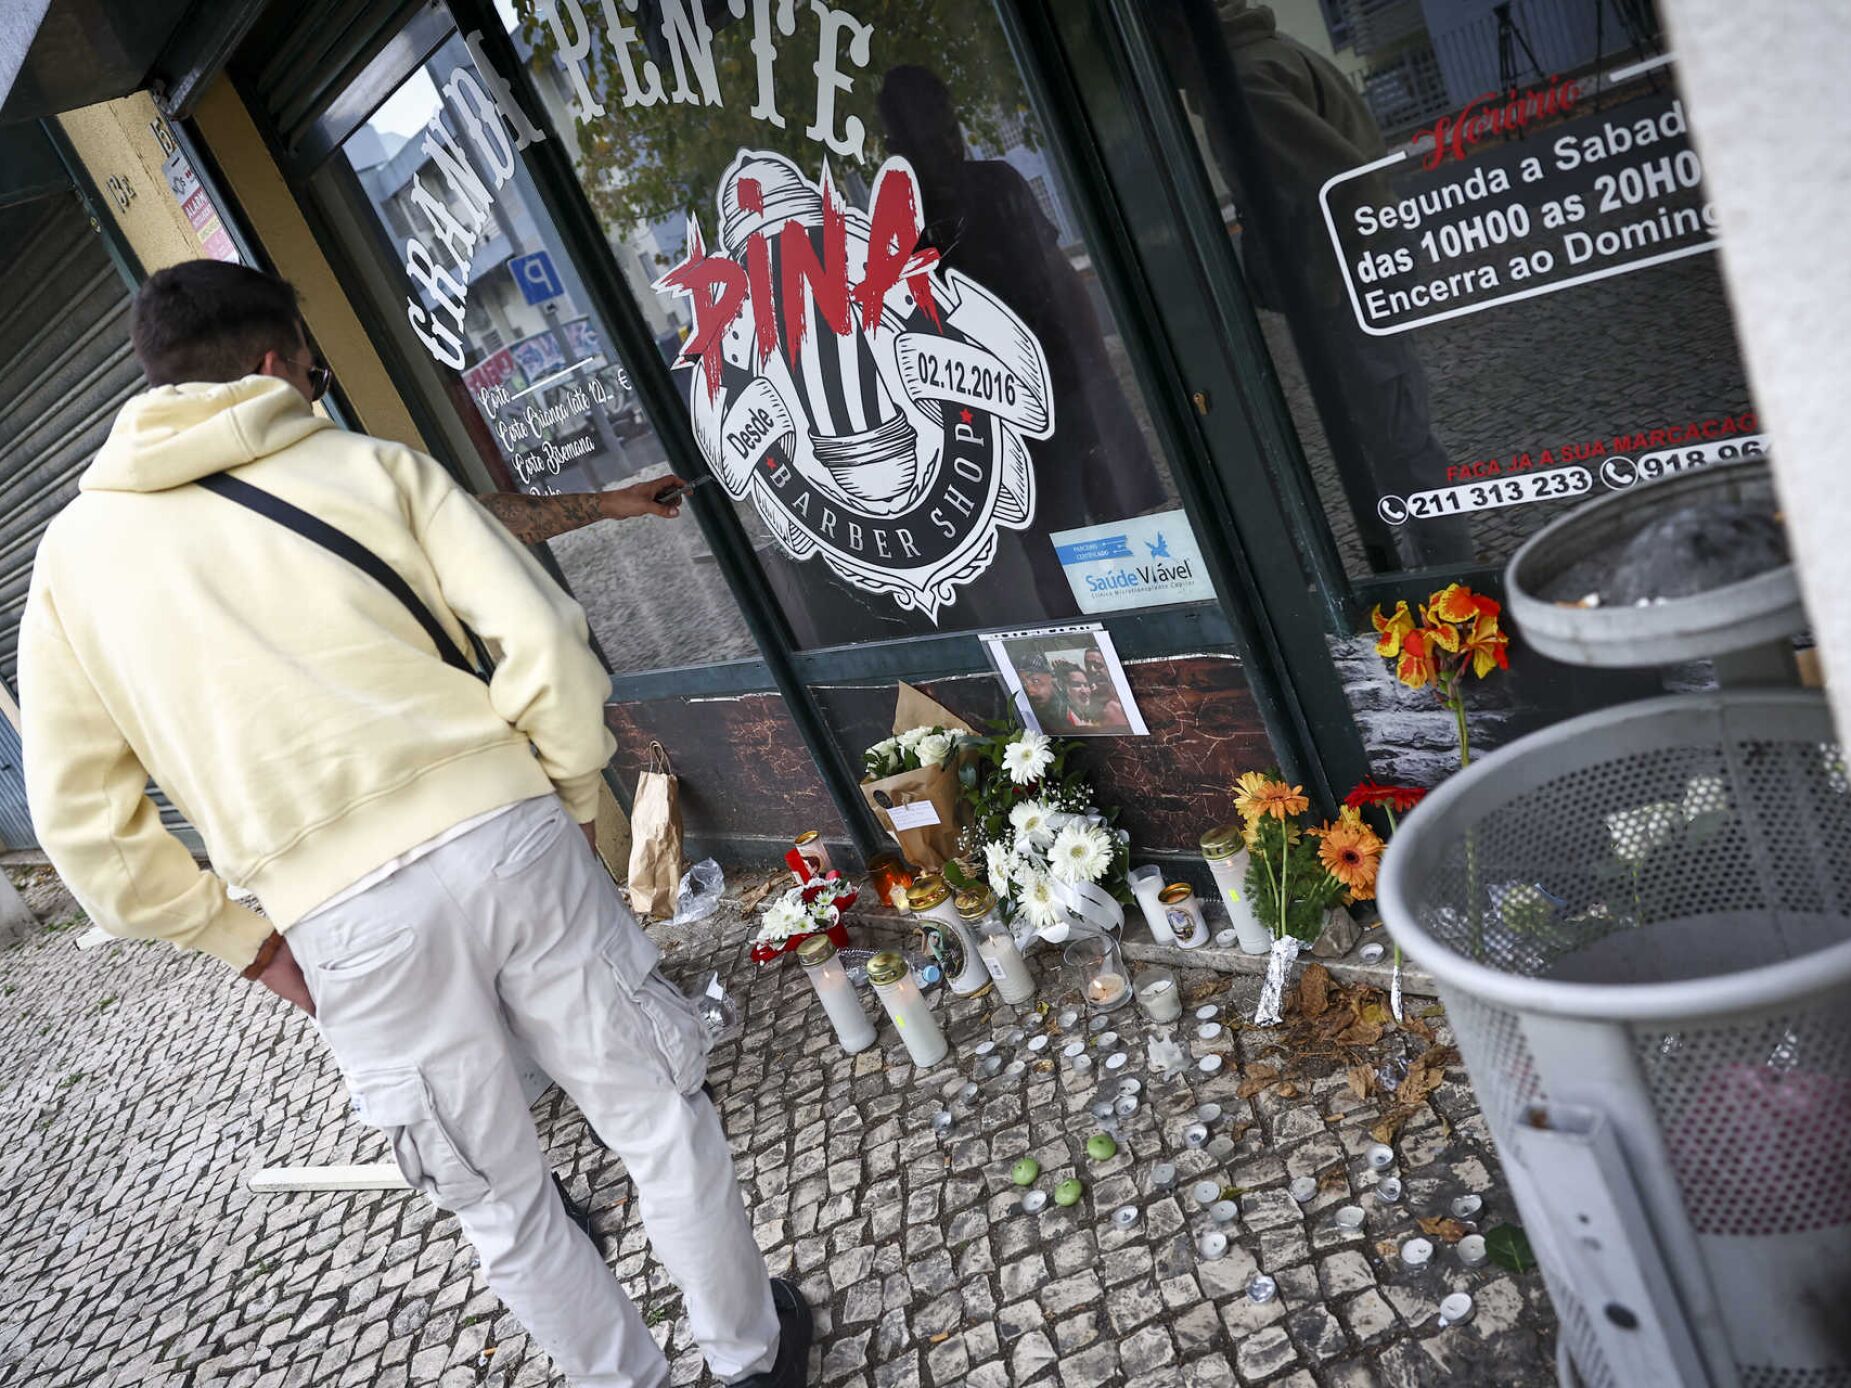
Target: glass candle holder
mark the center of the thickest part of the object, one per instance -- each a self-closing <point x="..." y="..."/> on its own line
<point x="1145" y="883"/>
<point x="1159" y="996"/>
<point x="899" y="994"/>
<point x="890" y="877"/>
<point x="840" y="1002"/>
<point x="1104" y="982"/>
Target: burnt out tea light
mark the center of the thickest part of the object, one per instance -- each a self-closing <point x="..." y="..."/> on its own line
<point x="1099" y="1023"/>
<point x="1038" y="1043"/>
<point x="1305" y="1189"/>
<point x="1107" y="1040"/>
<point x="1073" y="1048"/>
<point x="1221" y="1148"/>
<point x="1226" y="939"/>
<point x="1466" y="1206"/>
<point x="1349" y="1217"/>
<point x="990" y="1066"/>
<point x="1456" y="1308"/>
<point x="1163" y="1176"/>
<point x="1126" y="1106"/>
<point x="1224" y="1211"/>
<point x="943" y="1122"/>
<point x="1207" y="1012"/>
<point x="1083" y="1063"/>
<point x="985" y="1047"/>
<point x="1261" y="1289"/>
<point x="1416" y="1253"/>
<point x="1388" y="1190"/>
<point x="1015" y="1036"/>
<point x="969" y="1090"/>
<point x="1069" y="1018"/>
<point x="1196" y="1135"/>
<point x="1130" y="1084"/>
<point x="1034" y="1202"/>
<point x="1381" y="1156"/>
<point x="1372" y="952"/>
<point x="1207" y="1113"/>
<point x="1208" y="1031"/>
<point x="1125" y="1217"/>
<point x="1205" y="1193"/>
<point x="1016" y="1068"/>
<point x="1211" y="1244"/>
<point x="1118" y="1060"/>
<point x="1102" y="1108"/>
<point x="1471" y="1250"/>
<point x="1209" y="1064"/>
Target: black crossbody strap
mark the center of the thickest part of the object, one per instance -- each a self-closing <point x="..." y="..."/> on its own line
<point x="339" y="542"/>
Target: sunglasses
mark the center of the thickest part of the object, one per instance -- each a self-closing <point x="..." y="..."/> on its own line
<point x="319" y="377"/>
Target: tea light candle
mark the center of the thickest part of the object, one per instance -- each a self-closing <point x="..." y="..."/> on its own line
<point x="1069" y="1018"/>
<point x="1034" y="1202"/>
<point x="1388" y="1190"/>
<point x="1226" y="939"/>
<point x="1207" y="1113"/>
<point x="1211" y="1245"/>
<point x="1158" y="996"/>
<point x="1456" y="1308"/>
<point x="1162" y="1176"/>
<point x="1205" y="1193"/>
<point x="1221" y="1148"/>
<point x="1038" y="1042"/>
<point x="1305" y="1189"/>
<point x="1381" y="1156"/>
<point x="1472" y="1251"/>
<point x="1208" y="1031"/>
<point x="1118" y="1060"/>
<point x="1209" y="1064"/>
<point x="1125" y="1216"/>
<point x="1107" y="1040"/>
<point x="1126" y="1106"/>
<point x="1207" y="1012"/>
<point x="1416" y="1252"/>
<point x="1350" y="1217"/>
<point x="943" y="1122"/>
<point x="1372" y="952"/>
<point x="1224" y="1211"/>
<point x="1073" y="1048"/>
<point x="1106" y="990"/>
<point x="1196" y="1135"/>
<point x="1261" y="1289"/>
<point x="1466" y="1206"/>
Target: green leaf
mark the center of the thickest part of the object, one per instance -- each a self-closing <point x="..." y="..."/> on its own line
<point x="955" y="875"/>
<point x="1509" y="1247"/>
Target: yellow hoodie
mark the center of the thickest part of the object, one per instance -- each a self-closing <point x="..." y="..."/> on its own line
<point x="290" y="707"/>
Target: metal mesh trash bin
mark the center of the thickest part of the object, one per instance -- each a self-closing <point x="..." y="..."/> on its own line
<point x="1640" y="923"/>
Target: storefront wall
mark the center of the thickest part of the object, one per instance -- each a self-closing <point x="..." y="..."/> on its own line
<point x="1111" y="292"/>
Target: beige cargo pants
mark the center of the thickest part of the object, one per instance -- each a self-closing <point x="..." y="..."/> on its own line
<point x="515" y="931"/>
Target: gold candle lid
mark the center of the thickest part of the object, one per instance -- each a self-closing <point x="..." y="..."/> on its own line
<point x="975" y="902"/>
<point x="807" y="837"/>
<point x="927" y="892"/>
<point x="887" y="967"/>
<point x="818" y="949"/>
<point x="1175" y="892"/>
<point x="1223" y="841"/>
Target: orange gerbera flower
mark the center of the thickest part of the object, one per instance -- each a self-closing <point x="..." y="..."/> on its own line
<point x="1249" y="794"/>
<point x="1352" y="853"/>
<point x="1274" y="798"/>
<point x="1391" y="630"/>
<point x="1415" y="666"/>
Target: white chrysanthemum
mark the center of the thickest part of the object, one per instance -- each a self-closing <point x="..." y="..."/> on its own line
<point x="912" y="737"/>
<point x="1081" y="853"/>
<point x="784" y="918"/>
<point x="1039" y="903"/>
<point x="1030" y="822"/>
<point x="996" y="863"/>
<point x="934" y="749"/>
<point x="1028" y="758"/>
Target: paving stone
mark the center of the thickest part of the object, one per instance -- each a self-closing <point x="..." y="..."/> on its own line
<point x="1263" y="1353"/>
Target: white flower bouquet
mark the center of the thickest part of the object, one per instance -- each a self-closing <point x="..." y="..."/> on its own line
<point x="915" y="749"/>
<point x="1054" y="860"/>
<point x="911" y="778"/>
<point x="802" y="912"/>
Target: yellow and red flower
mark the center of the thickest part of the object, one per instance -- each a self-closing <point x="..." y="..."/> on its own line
<point x="1391" y="630"/>
<point x="1414" y="667"/>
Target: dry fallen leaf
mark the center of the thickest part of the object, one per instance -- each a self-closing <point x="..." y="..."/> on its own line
<point x="1333" y="1176"/>
<point x="1314" y="990"/>
<point x="1258" y="1077"/>
<point x="1443" y="1227"/>
<point x="1390" y="1124"/>
<point x="1362" y="1081"/>
<point x="751" y="897"/>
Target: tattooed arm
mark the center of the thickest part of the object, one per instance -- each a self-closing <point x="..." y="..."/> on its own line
<point x="533" y="519"/>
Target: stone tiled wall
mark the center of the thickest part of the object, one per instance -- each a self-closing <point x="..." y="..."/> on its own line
<point x="744" y="773"/>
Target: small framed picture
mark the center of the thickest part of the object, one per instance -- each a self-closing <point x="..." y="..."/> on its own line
<point x="1066" y="681"/>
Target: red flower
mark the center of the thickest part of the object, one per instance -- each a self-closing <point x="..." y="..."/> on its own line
<point x="1400" y="798"/>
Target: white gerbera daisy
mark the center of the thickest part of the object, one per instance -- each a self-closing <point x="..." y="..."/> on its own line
<point x="934" y="749"/>
<point x="996" y="863"/>
<point x="784" y="918"/>
<point x="1039" y="903"/>
<point x="1081" y="853"/>
<point x="1028" y="758"/>
<point x="1030" y="822"/>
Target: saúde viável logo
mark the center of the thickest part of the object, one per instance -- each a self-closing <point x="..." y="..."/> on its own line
<point x="873" y="405"/>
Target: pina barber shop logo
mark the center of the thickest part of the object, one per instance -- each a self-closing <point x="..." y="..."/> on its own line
<point x="874" y="406"/>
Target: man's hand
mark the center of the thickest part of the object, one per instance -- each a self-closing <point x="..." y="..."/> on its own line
<point x="639" y="499"/>
<point x="284" y="978"/>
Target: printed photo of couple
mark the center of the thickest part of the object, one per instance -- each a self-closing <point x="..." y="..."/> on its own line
<point x="1067" y="682"/>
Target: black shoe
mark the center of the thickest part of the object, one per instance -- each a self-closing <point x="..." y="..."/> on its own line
<point x="796" y="1328"/>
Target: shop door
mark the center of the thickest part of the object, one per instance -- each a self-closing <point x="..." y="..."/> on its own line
<point x="860" y="264"/>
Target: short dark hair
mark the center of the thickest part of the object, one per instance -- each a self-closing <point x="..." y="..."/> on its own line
<point x="207" y="320"/>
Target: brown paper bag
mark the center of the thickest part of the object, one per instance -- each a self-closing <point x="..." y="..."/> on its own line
<point x="927" y="846"/>
<point x="655" y="838"/>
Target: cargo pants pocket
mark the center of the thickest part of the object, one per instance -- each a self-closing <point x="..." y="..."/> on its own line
<point x="676" y="1039"/>
<point x="399" y="1102"/>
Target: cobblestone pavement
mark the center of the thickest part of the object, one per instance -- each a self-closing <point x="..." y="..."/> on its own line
<point x="138" y="1088"/>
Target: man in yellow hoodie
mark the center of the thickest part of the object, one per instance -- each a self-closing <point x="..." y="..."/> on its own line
<point x="410" y="830"/>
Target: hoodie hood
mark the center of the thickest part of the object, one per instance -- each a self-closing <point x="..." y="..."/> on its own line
<point x="1243" y="24"/>
<point x="172" y="435"/>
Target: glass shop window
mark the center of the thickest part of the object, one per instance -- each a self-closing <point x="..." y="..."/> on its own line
<point x="469" y="273"/>
<point x="1477" y="237"/>
<point x="897" y="357"/>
